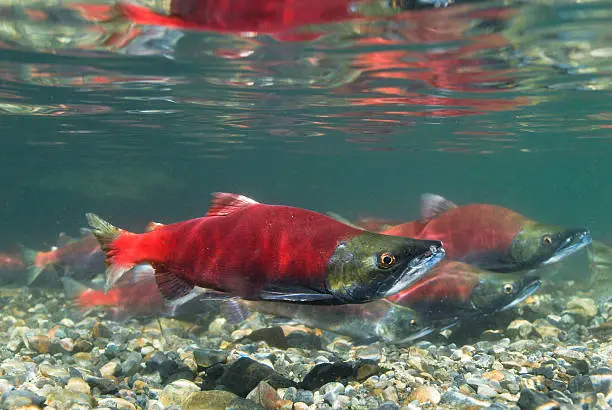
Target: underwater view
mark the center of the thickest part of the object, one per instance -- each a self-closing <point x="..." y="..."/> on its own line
<point x="306" y="204"/>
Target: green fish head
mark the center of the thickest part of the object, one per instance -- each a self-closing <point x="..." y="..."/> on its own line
<point x="496" y="292"/>
<point x="372" y="266"/>
<point x="538" y="244"/>
<point x="401" y="324"/>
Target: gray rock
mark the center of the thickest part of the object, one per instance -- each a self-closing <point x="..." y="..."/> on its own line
<point x="581" y="384"/>
<point x="131" y="364"/>
<point x="305" y="396"/>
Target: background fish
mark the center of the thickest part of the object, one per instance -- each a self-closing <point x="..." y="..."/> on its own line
<point x="491" y="237"/>
<point x="69" y="257"/>
<point x="270" y="252"/>
<point x="11" y="261"/>
<point x="459" y="289"/>
<point x="378" y="320"/>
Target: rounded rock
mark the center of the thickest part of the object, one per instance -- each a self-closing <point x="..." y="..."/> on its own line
<point x="519" y="328"/>
<point x="425" y="394"/>
<point x="175" y="392"/>
<point x="78" y="385"/>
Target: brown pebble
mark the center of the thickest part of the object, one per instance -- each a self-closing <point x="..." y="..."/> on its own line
<point x="425" y="394"/>
<point x="366" y="370"/>
<point x="284" y="405"/>
<point x="78" y="385"/>
<point x="139" y="385"/>
<point x="101" y="331"/>
<point x="494" y="375"/>
<point x="42" y="344"/>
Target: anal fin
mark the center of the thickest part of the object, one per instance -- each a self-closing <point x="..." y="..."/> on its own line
<point x="172" y="287"/>
<point x="234" y="311"/>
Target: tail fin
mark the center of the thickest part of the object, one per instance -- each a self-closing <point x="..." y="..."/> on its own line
<point x="107" y="234"/>
<point x="33" y="269"/>
<point x="72" y="288"/>
<point x="73" y="291"/>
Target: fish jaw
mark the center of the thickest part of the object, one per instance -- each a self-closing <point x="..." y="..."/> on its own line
<point x="416" y="269"/>
<point x="575" y="242"/>
<point x="523" y="294"/>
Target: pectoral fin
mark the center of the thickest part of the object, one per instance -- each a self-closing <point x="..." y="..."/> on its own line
<point x="295" y="294"/>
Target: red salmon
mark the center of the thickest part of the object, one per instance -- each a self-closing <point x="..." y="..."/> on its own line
<point x="270" y="252"/>
<point x="491" y="237"/>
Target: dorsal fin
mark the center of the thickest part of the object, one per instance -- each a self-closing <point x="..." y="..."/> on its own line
<point x="433" y="205"/>
<point x="342" y="219"/>
<point x="151" y="226"/>
<point x="224" y="203"/>
<point x="85" y="231"/>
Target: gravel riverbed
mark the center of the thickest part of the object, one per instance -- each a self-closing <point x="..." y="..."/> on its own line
<point x="554" y="351"/>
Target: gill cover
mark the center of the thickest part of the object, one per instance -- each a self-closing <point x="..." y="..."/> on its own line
<point x="371" y="266"/>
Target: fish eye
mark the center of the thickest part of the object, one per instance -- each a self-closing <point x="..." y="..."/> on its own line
<point x="547" y="240"/>
<point x="386" y="260"/>
<point x="413" y="322"/>
<point x="508" y="288"/>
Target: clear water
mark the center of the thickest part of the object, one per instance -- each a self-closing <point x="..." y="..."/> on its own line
<point x="498" y="102"/>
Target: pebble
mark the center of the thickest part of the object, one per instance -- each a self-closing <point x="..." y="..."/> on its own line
<point x="110" y="369"/>
<point x="212" y="399"/>
<point x="116" y="403"/>
<point x="543" y="357"/>
<point x="78" y="385"/>
<point x="175" y="392"/>
<point x="425" y="394"/>
<point x="61" y="399"/>
<point x="519" y="328"/>
<point x="583" y="309"/>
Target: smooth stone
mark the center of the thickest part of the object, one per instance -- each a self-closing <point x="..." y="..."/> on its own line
<point x="78" y="385"/>
<point x="519" y="328"/>
<point x="425" y="394"/>
<point x="116" y="403"/>
<point x="265" y="395"/>
<point x="175" y="392"/>
<point x="211" y="399"/>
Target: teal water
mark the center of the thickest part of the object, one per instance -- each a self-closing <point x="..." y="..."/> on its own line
<point x="497" y="102"/>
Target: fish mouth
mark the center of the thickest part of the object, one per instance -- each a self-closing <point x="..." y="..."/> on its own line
<point x="523" y="294"/>
<point x="417" y="267"/>
<point x="573" y="243"/>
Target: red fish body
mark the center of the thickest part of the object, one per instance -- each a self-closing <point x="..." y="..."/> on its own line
<point x="9" y="261"/>
<point x="255" y="250"/>
<point x="271" y="243"/>
<point x="491" y="237"/>
<point x="467" y="230"/>
<point x="140" y="298"/>
<point x="71" y="255"/>
<point x="278" y="17"/>
<point x="452" y="281"/>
